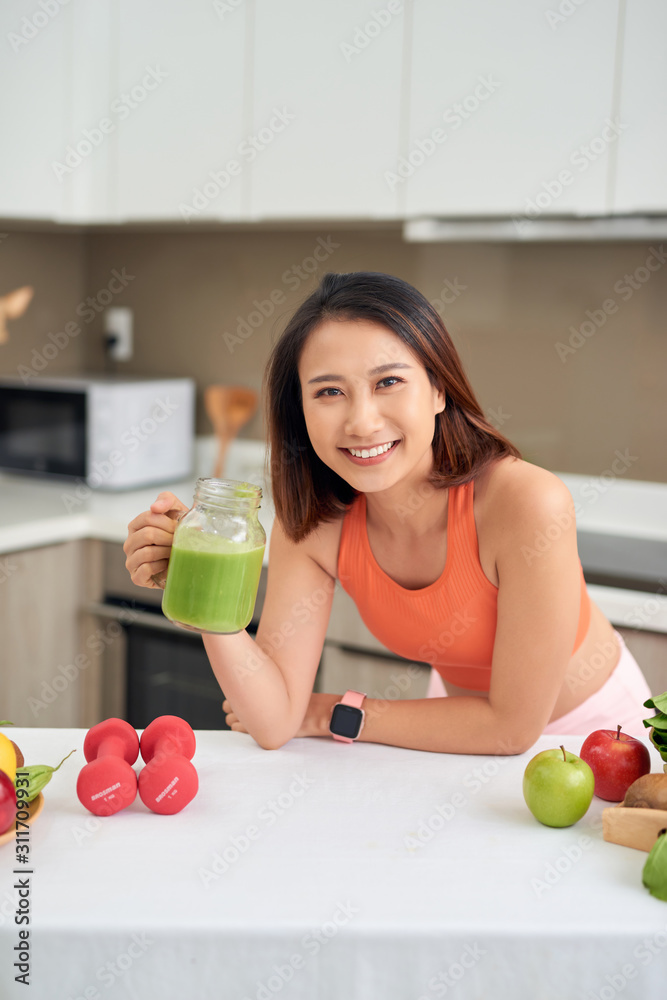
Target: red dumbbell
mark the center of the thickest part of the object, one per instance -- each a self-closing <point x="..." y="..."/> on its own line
<point x="169" y="781"/>
<point x="107" y="782"/>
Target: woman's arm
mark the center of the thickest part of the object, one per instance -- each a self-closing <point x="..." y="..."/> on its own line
<point x="269" y="680"/>
<point x="538" y="609"/>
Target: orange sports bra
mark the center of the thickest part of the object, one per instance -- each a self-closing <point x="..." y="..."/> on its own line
<point x="451" y="624"/>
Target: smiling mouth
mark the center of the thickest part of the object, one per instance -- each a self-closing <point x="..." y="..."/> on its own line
<point x="375" y="452"/>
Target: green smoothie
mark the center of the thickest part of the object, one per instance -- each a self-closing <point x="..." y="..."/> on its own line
<point x="211" y="590"/>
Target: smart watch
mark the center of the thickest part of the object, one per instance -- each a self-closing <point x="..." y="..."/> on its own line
<point x="347" y="717"/>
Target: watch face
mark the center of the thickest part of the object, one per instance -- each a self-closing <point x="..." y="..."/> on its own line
<point x="346" y="721"/>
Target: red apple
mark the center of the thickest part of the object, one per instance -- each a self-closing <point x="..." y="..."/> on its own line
<point x="616" y="760"/>
<point x="7" y="802"/>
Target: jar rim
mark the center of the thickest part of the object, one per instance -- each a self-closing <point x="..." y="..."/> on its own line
<point x="227" y="492"/>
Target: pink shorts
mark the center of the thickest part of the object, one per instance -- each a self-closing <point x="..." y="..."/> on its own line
<point x="618" y="702"/>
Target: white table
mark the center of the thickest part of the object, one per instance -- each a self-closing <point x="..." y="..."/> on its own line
<point x="290" y="875"/>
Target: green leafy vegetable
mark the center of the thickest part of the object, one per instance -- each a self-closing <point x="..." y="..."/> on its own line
<point x="658" y="702"/>
<point x="654" y="875"/>
<point x="39" y="775"/>
<point x="657" y="721"/>
<point x="657" y="724"/>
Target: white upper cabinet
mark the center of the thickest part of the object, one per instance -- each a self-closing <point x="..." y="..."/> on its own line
<point x="34" y="83"/>
<point x="641" y="177"/>
<point x="243" y="110"/>
<point x="326" y="108"/>
<point x="177" y="100"/>
<point x="91" y="123"/>
<point x="511" y="108"/>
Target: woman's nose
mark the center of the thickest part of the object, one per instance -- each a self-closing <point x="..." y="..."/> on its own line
<point x="363" y="418"/>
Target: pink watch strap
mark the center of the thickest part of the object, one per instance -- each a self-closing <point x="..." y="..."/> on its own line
<point x="353" y="698"/>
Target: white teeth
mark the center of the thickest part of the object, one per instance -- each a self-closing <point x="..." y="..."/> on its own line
<point x="372" y="452"/>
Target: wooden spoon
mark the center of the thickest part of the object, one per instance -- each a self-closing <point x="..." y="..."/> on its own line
<point x="228" y="407"/>
<point x="13" y="305"/>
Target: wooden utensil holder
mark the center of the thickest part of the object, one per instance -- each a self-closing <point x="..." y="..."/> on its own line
<point x="638" y="828"/>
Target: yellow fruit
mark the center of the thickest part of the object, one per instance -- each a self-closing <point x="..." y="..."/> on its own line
<point x="7" y="757"/>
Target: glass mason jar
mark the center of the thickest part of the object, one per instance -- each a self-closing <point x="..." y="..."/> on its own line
<point x="216" y="559"/>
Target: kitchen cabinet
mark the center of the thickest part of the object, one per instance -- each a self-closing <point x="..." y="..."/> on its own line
<point x="510" y="111"/>
<point x="327" y="93"/>
<point x="641" y="169"/>
<point x="232" y="111"/>
<point x="180" y="88"/>
<point x="50" y="656"/>
<point x="34" y="82"/>
<point x="650" y="651"/>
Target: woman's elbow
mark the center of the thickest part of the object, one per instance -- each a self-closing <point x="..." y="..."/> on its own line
<point x="515" y="740"/>
<point x="272" y="741"/>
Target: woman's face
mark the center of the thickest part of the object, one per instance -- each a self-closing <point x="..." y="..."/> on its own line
<point x="368" y="404"/>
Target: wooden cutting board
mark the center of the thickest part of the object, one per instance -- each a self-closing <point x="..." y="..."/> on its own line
<point x="638" y="828"/>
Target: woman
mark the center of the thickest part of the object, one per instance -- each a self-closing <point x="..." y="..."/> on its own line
<point x="387" y="477"/>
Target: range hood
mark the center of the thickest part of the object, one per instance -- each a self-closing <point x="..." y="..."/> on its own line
<point x="522" y="228"/>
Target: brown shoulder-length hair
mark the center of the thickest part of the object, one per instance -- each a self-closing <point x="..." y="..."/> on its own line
<point x="305" y="490"/>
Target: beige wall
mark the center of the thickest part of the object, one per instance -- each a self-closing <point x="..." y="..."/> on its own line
<point x="514" y="304"/>
<point x="54" y="264"/>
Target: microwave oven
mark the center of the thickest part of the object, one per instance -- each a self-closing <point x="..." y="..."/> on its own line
<point x="109" y="432"/>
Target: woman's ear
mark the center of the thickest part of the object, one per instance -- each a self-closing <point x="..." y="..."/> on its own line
<point x="440" y="400"/>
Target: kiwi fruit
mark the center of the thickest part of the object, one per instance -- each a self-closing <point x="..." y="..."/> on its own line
<point x="647" y="792"/>
<point x="19" y="756"/>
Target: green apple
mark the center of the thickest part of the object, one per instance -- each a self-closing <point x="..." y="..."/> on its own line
<point x="558" y="787"/>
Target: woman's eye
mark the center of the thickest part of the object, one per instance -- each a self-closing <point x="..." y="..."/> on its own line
<point x="390" y="380"/>
<point x="329" y="391"/>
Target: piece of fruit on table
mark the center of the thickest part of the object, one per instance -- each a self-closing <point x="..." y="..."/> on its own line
<point x="7" y="803"/>
<point x="7" y="757"/>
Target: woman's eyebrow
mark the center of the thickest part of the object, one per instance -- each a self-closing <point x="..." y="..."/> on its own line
<point x="373" y="371"/>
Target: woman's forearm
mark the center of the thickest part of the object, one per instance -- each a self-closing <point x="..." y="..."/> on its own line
<point x="253" y="683"/>
<point x="458" y="724"/>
